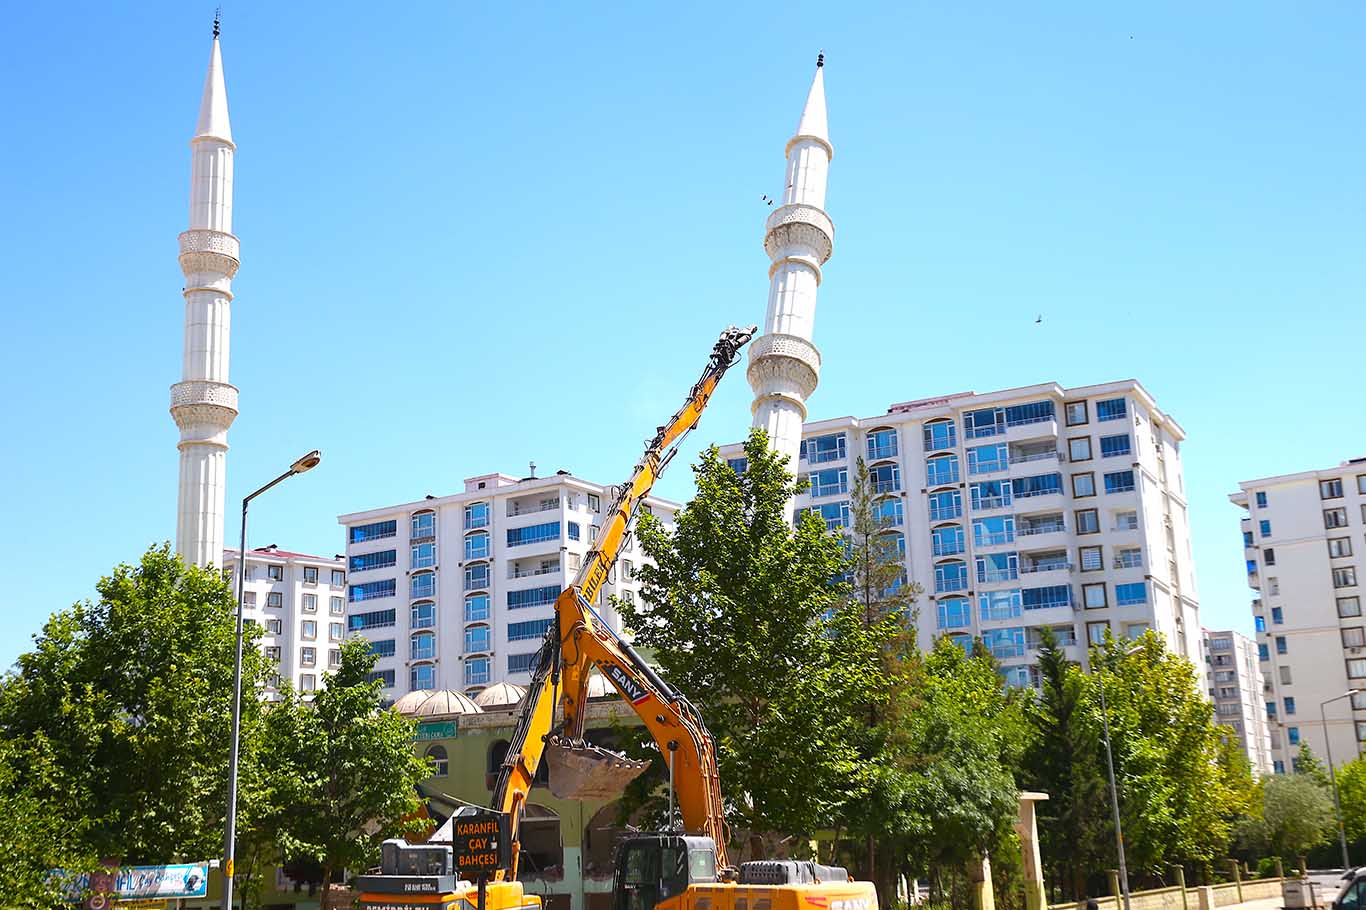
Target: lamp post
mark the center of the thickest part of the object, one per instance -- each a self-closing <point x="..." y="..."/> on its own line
<point x="1332" y="775"/>
<point x="1114" y="790"/>
<point x="307" y="463"/>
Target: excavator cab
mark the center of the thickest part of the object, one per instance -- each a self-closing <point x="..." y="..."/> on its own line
<point x="651" y="868"/>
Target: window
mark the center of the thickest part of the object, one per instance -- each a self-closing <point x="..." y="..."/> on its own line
<point x="948" y="540"/>
<point x="1285" y="674"/>
<point x="1353" y="637"/>
<point x="423" y="555"/>
<point x="820" y="449"/>
<point x="1127" y="595"/>
<point x="1269" y="556"/>
<point x="1112" y="446"/>
<point x="310" y="575"/>
<point x="441" y="765"/>
<point x="423" y="525"/>
<point x="477" y="638"/>
<point x="529" y="630"/>
<point x="422" y="615"/>
<point x="334" y="657"/>
<point x="372" y="590"/>
<point x="1079" y="448"/>
<point x="1281" y="645"/>
<point x="308" y="682"/>
<point x="272" y="654"/>
<point x="882" y="444"/>
<point x="477" y="671"/>
<point x="307" y="657"/>
<point x="1349" y="606"/>
<point x="1225" y="676"/>
<point x="1259" y="623"/>
<point x="477" y="576"/>
<point x="1046" y="597"/>
<point x="1036" y="485"/>
<point x="1128" y="558"/>
<point x="1292" y="733"/>
<point x="275" y="573"/>
<point x="533" y="597"/>
<point x="1345" y="577"/>
<point x="889" y="513"/>
<point x="954" y="613"/>
<point x="359" y="622"/>
<point x="1264" y="527"/>
<point x="1277" y="616"/>
<point x="1083" y="485"/>
<point x="1136" y="630"/>
<point x="990" y="494"/>
<point x="1273" y="585"/>
<point x="940" y="435"/>
<point x="1247" y="539"/>
<point x="988" y="459"/>
<point x="521" y="663"/>
<point x="1356" y="667"/>
<point x="337" y="607"/>
<point x="1339" y="546"/>
<point x="422" y="646"/>
<point x="1005" y="643"/>
<point x="249" y="599"/>
<point x="1335" y="518"/>
<point x="1093" y="596"/>
<point x="829" y="482"/>
<point x="989" y="532"/>
<point x="376" y="531"/>
<point x="1018" y="415"/>
<point x="1126" y="521"/>
<point x="573" y="530"/>
<point x="951" y="576"/>
<point x="984" y="422"/>
<point x="383" y="648"/>
<point x="275" y="599"/>
<point x="1088" y="521"/>
<point x="423" y="584"/>
<point x="1111" y="409"/>
<point x="476" y="515"/>
<point x="308" y="629"/>
<point x="517" y="537"/>
<point x="422" y="676"/>
<point x="1271" y="709"/>
<point x="1076" y="413"/>
<point x="334" y="631"/>
<point x="886" y="478"/>
<point x="1263" y="653"/>
<point x="309" y="602"/>
<point x="1261" y="499"/>
<point x="999" y="605"/>
<point x="939" y="471"/>
<point x="594" y="530"/>
<point x="338" y="578"/>
<point x="997" y="567"/>
<point x="1119" y="482"/>
<point x="1091" y="559"/>
<point x="1330" y="489"/>
<point x="946" y="505"/>
<point x="1289" y="705"/>
<point x="1095" y="632"/>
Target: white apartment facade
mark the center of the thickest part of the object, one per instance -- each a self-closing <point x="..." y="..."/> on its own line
<point x="299" y="602"/>
<point x="1024" y="508"/>
<point x="1234" y="676"/>
<point x="1303" y="535"/>
<point x="456" y="592"/>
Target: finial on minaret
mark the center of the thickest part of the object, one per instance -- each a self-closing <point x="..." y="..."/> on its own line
<point x="820" y="59"/>
<point x="218" y="17"/>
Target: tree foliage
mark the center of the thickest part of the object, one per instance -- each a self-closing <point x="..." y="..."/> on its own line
<point x="340" y="771"/>
<point x="34" y="839"/>
<point x="746" y="612"/>
<point x="1295" y="815"/>
<point x="130" y="697"/>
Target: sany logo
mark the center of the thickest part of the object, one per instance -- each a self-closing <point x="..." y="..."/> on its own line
<point x="848" y="903"/>
<point x="635" y="693"/>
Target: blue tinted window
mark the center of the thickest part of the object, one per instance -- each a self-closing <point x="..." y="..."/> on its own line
<point x="372" y="590"/>
<point x="477" y="576"/>
<point x="1271" y="709"/>
<point x="422" y="584"/>
<point x="886" y="478"/>
<point x="1047" y="596"/>
<point x="882" y="444"/>
<point x="1277" y="616"/>
<point x="999" y="605"/>
<point x="984" y="422"/>
<point x="941" y="435"/>
<point x="383" y="648"/>
<point x="477" y="638"/>
<point x="384" y="677"/>
<point x="946" y="505"/>
<point x="476" y="546"/>
<point x="1034" y="412"/>
<point x="1264" y="528"/>
<point x="1005" y="643"/>
<point x="948" y="540"/>
<point x="1038" y="485"/>
<point x="1263" y="653"/>
<point x="378" y="619"/>
<point x="573" y="529"/>
<point x="962" y="641"/>
<point x="1115" y="445"/>
<point x="820" y="449"/>
<point x="738" y="465"/>
<point x="941" y="470"/>
<point x="422" y="615"/>
<point x="423" y="556"/>
<point x="1280" y="645"/>
<point x="1111" y="409"/>
<point x="1289" y="704"/>
<point x="375" y="531"/>
<point x="521" y="663"/>
<point x="990" y="494"/>
<point x="476" y="671"/>
<point x="1260" y="623"/>
<point x="533" y="597"/>
<point x="1292" y="733"/>
<point x="1261" y="500"/>
<point x="1247" y="538"/>
<point x="954" y="613"/>
<point x="951" y="576"/>
<point x="381" y="559"/>
<point x="829" y="482"/>
<point x="1119" y="482"/>
<point x="476" y="607"/>
<point x="422" y="524"/>
<point x="988" y="532"/>
<point x="533" y="533"/>
<point x="530" y="630"/>
<point x="1130" y="594"/>
<point x="476" y="515"/>
<point x="422" y="676"/>
<point x="834" y="514"/>
<point x="988" y="459"/>
<point x="997" y="567"/>
<point x="890" y="512"/>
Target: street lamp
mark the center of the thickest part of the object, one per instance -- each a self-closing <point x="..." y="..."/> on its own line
<point x="307" y="463"/>
<point x="1114" y="791"/>
<point x="1332" y="775"/>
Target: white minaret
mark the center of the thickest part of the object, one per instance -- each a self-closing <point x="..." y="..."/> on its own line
<point x="203" y="403"/>
<point x="784" y="365"/>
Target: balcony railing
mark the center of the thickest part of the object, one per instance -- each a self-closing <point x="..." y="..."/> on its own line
<point x="985" y="503"/>
<point x="987" y="467"/>
<point x="1052" y="566"/>
<point x="1026" y="494"/>
<point x="945" y="514"/>
<point x="886" y="486"/>
<point x="1026" y="421"/>
<point x="941" y="478"/>
<point x="514" y="572"/>
<point x="949" y="549"/>
<point x="1031" y="530"/>
<point x="944" y="585"/>
<point x="994" y="575"/>
<point x="426" y="653"/>
<point x="476" y="582"/>
<point x="1050" y="455"/>
<point x="1129" y="562"/>
<point x="517" y="508"/>
<point x="876" y="452"/>
<point x="823" y="457"/>
<point x="994" y="540"/>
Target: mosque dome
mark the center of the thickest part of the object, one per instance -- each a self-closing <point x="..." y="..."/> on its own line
<point x="410" y="702"/>
<point x="444" y="703"/>
<point x="500" y="695"/>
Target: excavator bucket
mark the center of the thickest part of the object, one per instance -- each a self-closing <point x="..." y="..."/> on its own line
<point x="580" y="770"/>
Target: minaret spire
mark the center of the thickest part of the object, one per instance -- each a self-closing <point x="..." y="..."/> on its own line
<point x="784" y="364"/>
<point x="203" y="403"/>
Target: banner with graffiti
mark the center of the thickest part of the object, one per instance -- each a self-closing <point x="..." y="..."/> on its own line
<point x="144" y="882"/>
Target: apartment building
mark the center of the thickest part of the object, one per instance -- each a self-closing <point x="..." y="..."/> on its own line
<point x="299" y="602"/>
<point x="1302" y="540"/>
<point x="1024" y="508"/>
<point x="456" y="592"/>
<point x="1233" y="674"/>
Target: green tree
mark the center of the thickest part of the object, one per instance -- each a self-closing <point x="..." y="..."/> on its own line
<point x="34" y="839"/>
<point x="1297" y="815"/>
<point x="1352" y="796"/>
<point x="1063" y="759"/>
<point x="1308" y="764"/>
<point x="130" y="696"/>
<point x="341" y="771"/>
<point x="744" y="611"/>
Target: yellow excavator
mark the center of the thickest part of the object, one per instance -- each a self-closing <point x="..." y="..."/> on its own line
<point x="471" y="862"/>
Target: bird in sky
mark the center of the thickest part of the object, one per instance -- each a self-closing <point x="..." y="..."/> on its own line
<point x="1038" y="319"/>
<point x="765" y="198"/>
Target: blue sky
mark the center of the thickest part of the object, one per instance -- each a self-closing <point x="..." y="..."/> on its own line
<point x="473" y="238"/>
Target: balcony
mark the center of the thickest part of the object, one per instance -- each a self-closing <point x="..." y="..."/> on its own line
<point x="997" y="576"/>
<point x="516" y="571"/>
<point x="941" y="478"/>
<point x="1042" y="501"/>
<point x="1134" y="561"/>
<point x="949" y="585"/>
<point x="999" y="539"/>
<point x="948" y="548"/>
<point x="946" y="513"/>
<point x="1033" y="428"/>
<point x="532" y="506"/>
<point x="1048" y="572"/>
<point x="990" y="503"/>
<point x="885" y="486"/>
<point x="879" y="452"/>
<point x="1025" y="455"/>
